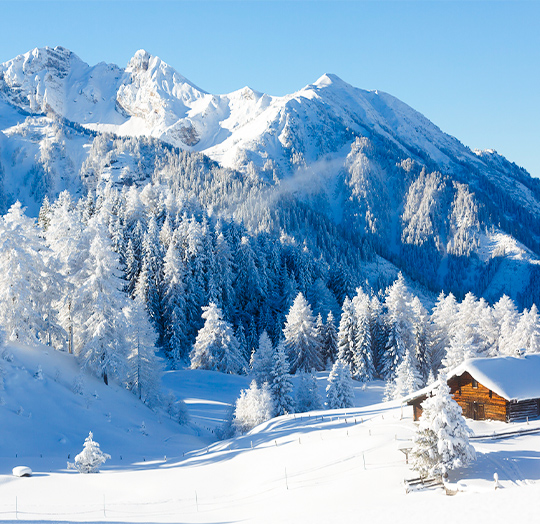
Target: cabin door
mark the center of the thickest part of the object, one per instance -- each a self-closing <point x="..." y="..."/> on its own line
<point x="476" y="411"/>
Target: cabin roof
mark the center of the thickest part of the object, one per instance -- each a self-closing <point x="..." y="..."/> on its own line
<point x="513" y="378"/>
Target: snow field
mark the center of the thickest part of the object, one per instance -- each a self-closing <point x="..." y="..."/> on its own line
<point x="325" y="466"/>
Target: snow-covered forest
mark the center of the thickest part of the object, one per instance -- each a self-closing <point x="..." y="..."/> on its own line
<point x="119" y="274"/>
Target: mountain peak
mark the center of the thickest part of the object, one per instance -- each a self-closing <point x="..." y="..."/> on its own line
<point x="329" y="79"/>
<point x="144" y="63"/>
<point x="140" y="61"/>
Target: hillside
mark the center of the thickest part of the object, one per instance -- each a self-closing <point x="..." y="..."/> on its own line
<point x="317" y="467"/>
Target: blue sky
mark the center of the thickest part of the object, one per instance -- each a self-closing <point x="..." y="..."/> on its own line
<point x="472" y="67"/>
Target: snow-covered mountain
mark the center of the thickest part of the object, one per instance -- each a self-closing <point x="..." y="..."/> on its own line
<point x="150" y="98"/>
<point x="391" y="181"/>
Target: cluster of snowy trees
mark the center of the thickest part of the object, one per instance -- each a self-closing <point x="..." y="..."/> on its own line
<point x="119" y="273"/>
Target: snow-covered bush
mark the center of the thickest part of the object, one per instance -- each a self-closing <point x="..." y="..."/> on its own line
<point x="78" y="384"/>
<point x="90" y="458"/>
<point x="253" y="407"/>
<point x="340" y="392"/>
<point x="38" y="375"/>
<point x="176" y="408"/>
<point x="441" y="443"/>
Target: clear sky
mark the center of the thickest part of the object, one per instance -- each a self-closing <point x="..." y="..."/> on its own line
<point x="472" y="67"/>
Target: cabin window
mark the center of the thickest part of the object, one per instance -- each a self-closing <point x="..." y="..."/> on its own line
<point x="474" y="383"/>
<point x="490" y="394"/>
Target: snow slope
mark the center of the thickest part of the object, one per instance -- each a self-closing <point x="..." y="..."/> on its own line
<point x="328" y="466"/>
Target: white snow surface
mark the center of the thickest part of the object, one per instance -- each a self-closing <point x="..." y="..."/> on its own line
<point x="513" y="378"/>
<point x="326" y="466"/>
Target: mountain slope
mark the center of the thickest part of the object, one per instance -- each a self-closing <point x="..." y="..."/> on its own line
<point x="392" y="181"/>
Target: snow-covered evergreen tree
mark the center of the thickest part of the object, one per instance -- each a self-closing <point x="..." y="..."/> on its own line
<point x="300" y="337"/>
<point x="441" y="443"/>
<point x="262" y="360"/>
<point x="507" y="317"/>
<point x="407" y="379"/>
<point x="363" y="369"/>
<point x="400" y="321"/>
<point x="98" y="312"/>
<point x="461" y="348"/>
<point x="144" y="366"/>
<point x="347" y="333"/>
<point x="253" y="407"/>
<point x="29" y="284"/>
<point x="91" y="458"/>
<point x="330" y="342"/>
<point x="340" y="390"/>
<point x="280" y="383"/>
<point x="379" y="334"/>
<point x="422" y="339"/>
<point x="527" y="335"/>
<point x="442" y="320"/>
<point x="216" y="347"/>
<point x="308" y="397"/>
<point x="174" y="305"/>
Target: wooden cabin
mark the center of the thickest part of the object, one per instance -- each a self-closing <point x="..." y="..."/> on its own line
<point x="502" y="388"/>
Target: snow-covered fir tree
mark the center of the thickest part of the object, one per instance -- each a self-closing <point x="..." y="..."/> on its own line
<point x="507" y="318"/>
<point x="280" y="382"/>
<point x="527" y="334"/>
<point x="407" y="379"/>
<point x="461" y="348"/>
<point x="340" y="389"/>
<point x="363" y="369"/>
<point x="262" y="360"/>
<point x="174" y="305"/>
<point x="216" y="347"/>
<point x="400" y="322"/>
<point x="144" y="367"/>
<point x="347" y="333"/>
<point x="441" y="443"/>
<point x="308" y="397"/>
<point x="253" y="407"/>
<point x="443" y="321"/>
<point x="330" y="342"/>
<point x="91" y="458"/>
<point x="422" y="340"/>
<point x="28" y="283"/>
<point x="301" y="337"/>
<point x="99" y="321"/>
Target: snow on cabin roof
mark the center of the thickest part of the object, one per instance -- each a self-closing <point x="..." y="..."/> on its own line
<point x="513" y="378"/>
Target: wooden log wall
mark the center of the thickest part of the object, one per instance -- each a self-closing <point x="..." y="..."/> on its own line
<point x="523" y="410"/>
<point x="494" y="406"/>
